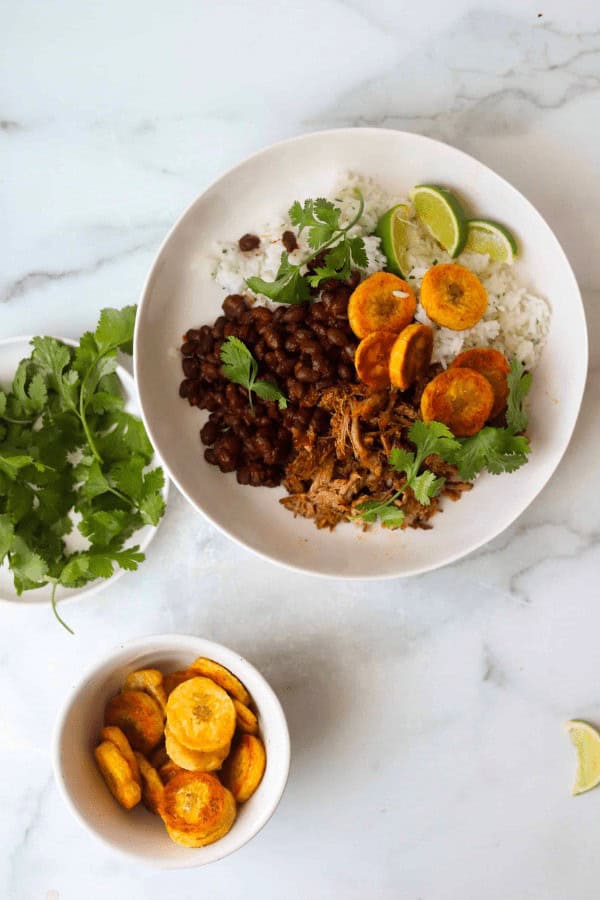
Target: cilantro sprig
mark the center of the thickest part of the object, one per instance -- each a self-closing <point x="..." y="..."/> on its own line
<point x="499" y="449"/>
<point x="496" y="450"/>
<point x="240" y="366"/>
<point x="67" y="445"/>
<point x="428" y="438"/>
<point x="321" y="219"/>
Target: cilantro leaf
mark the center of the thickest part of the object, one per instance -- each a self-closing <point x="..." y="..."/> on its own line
<point x="240" y="367"/>
<point x="519" y="383"/>
<point x="28" y="568"/>
<point x="51" y="358"/>
<point x="494" y="449"/>
<point x="390" y="515"/>
<point x="268" y="391"/>
<point x="359" y="253"/>
<point x="115" y="330"/>
<point x="289" y="285"/>
<point x="92" y="564"/>
<point x="7" y="534"/>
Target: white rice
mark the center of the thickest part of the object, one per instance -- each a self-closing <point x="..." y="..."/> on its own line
<point x="516" y="321"/>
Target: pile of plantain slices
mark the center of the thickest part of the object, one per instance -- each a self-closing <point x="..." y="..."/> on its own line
<point x="185" y="744"/>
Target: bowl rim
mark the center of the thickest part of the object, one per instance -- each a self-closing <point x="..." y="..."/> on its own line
<point x="98" y="584"/>
<point x="169" y="640"/>
<point x="451" y="557"/>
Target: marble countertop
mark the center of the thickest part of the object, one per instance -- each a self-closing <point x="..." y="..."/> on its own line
<point x="425" y="714"/>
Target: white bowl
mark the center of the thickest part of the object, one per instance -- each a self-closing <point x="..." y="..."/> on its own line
<point x="12" y="351"/>
<point x="180" y="294"/>
<point x="138" y="834"/>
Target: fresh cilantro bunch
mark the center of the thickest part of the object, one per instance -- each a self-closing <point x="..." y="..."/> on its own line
<point x="428" y="438"/>
<point x="495" y="449"/>
<point x="321" y="218"/>
<point x="240" y="366"/>
<point x="67" y="446"/>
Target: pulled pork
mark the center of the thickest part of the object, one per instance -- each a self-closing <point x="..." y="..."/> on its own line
<point x="329" y="475"/>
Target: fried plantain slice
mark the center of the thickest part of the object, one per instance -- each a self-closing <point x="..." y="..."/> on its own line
<point x="223" y="677"/>
<point x="245" y="718"/>
<point x="494" y="366"/>
<point x="116" y="772"/>
<point x="460" y="398"/>
<point x="168" y="770"/>
<point x="139" y="716"/>
<point x="159" y="756"/>
<point x="150" y="681"/>
<point x="382" y="302"/>
<point x="152" y="786"/>
<point x="372" y="358"/>
<point x="453" y="296"/>
<point x="197" y="809"/>
<point x="244" y="767"/>
<point x="410" y="355"/>
<point x="200" y="714"/>
<point x="194" y="760"/>
<point x="114" y="734"/>
<point x="173" y="679"/>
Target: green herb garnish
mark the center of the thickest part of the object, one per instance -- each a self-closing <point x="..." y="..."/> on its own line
<point x="499" y="449"/>
<point x="428" y="438"/>
<point x="321" y="218"/>
<point x="67" y="444"/>
<point x="495" y="449"/>
<point x="240" y="367"/>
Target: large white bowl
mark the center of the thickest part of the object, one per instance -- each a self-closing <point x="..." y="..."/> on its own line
<point x="12" y="351"/>
<point x="180" y="294"/>
<point x="138" y="834"/>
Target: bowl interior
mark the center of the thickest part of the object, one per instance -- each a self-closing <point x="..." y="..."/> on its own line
<point x="180" y="294"/>
<point x="139" y="833"/>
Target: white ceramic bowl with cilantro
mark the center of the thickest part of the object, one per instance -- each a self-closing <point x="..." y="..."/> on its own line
<point x="12" y="351"/>
<point x="181" y="294"/>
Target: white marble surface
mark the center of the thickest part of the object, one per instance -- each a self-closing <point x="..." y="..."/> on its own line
<point x="428" y="759"/>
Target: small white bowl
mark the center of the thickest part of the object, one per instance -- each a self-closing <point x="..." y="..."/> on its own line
<point x="138" y="834"/>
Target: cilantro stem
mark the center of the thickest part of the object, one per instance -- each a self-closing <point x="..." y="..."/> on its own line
<point x="55" y="610"/>
<point x="340" y="231"/>
<point x="17" y="421"/>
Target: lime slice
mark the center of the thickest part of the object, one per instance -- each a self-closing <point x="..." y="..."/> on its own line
<point x="492" y="238"/>
<point x="586" y="740"/>
<point x="443" y="215"/>
<point x="391" y="228"/>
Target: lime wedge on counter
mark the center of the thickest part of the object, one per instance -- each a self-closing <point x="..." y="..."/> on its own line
<point x="442" y="214"/>
<point x="586" y="740"/>
<point x="391" y="228"/>
<point x="492" y="238"/>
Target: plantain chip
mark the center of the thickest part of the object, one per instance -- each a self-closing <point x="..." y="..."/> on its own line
<point x="201" y="715"/>
<point x="116" y="772"/>
<point x="197" y="809"/>
<point x="194" y="760"/>
<point x="150" y="681"/>
<point x="168" y="770"/>
<point x="152" y="786"/>
<point x="245" y="767"/>
<point x="223" y="677"/>
<point x="114" y="734"/>
<point x="245" y="718"/>
<point x="139" y="716"/>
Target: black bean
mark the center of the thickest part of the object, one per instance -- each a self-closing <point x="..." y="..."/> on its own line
<point x="234" y="306"/>
<point x="190" y="366"/>
<point x="209" y="433"/>
<point x="249" y="242"/>
<point x="288" y="239"/>
<point x="305" y="373"/>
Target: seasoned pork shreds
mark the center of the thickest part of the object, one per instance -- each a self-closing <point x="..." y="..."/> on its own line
<point x="329" y="476"/>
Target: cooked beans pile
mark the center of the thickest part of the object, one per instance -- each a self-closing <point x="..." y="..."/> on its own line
<point x="303" y="348"/>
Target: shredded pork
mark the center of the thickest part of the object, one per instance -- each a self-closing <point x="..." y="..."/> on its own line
<point x="329" y="476"/>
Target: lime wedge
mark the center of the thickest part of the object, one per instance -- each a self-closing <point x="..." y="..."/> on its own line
<point x="586" y="740"/>
<point x="492" y="238"/>
<point x="391" y="228"/>
<point x="442" y="214"/>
